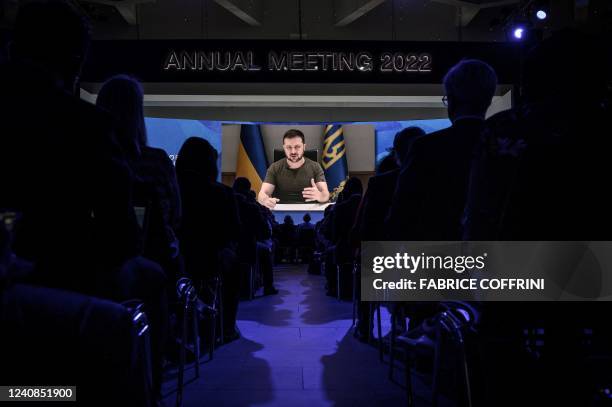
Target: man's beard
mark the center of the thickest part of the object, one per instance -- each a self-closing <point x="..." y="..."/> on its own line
<point x="297" y="158"/>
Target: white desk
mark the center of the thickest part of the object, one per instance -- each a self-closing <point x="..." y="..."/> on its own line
<point x="305" y="207"/>
<point x="297" y="211"/>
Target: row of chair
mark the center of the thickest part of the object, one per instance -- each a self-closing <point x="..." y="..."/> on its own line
<point x="451" y="338"/>
<point x="298" y="249"/>
<point x="448" y="327"/>
<point x="191" y="309"/>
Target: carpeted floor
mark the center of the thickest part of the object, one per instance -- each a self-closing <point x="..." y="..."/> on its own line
<point x="296" y="349"/>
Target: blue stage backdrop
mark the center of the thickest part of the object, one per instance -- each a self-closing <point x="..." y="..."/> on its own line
<point x="385" y="132"/>
<point x="170" y="134"/>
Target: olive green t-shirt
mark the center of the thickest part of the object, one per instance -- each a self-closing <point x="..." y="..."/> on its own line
<point x="289" y="183"/>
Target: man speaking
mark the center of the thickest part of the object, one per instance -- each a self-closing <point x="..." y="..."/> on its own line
<point x="295" y="179"/>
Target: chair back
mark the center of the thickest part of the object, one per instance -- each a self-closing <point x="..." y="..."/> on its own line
<point x="306" y="237"/>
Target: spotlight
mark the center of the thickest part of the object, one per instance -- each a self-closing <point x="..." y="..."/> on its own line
<point x="518" y="33"/>
<point x="541" y="14"/>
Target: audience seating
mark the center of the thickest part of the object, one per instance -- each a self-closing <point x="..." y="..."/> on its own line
<point x="252" y="277"/>
<point x="317" y="264"/>
<point x="286" y="249"/>
<point x="356" y="281"/>
<point x="188" y="298"/>
<point x="306" y="244"/>
<point x="140" y="325"/>
<point x="215" y="312"/>
<point x="58" y="337"/>
<point x="340" y="272"/>
<point x="375" y="308"/>
<point x="448" y="327"/>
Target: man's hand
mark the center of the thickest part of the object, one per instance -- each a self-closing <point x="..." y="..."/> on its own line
<point x="265" y="195"/>
<point x="270" y="202"/>
<point x="312" y="193"/>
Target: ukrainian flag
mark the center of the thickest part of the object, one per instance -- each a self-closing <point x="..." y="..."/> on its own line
<point x="334" y="158"/>
<point x="251" y="162"/>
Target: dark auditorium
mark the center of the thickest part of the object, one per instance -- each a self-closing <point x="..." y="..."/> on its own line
<point x="283" y="203"/>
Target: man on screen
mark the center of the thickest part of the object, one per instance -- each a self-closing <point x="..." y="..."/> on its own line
<point x="295" y="179"/>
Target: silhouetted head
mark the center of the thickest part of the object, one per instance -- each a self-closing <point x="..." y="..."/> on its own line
<point x="307" y="218"/>
<point x="352" y="187"/>
<point x="122" y="97"/>
<point x="387" y="163"/>
<point x="242" y="186"/>
<point x="551" y="74"/>
<point x="403" y="140"/>
<point x="54" y="36"/>
<point x="197" y="156"/>
<point x="469" y="86"/>
<point x="288" y="220"/>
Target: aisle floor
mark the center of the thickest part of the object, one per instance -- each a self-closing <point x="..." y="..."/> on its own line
<point x="297" y="349"/>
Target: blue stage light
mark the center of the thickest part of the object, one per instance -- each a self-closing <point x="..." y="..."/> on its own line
<point x="518" y="33"/>
<point x="541" y="15"/>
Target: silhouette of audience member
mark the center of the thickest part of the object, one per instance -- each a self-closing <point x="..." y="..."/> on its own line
<point x="538" y="175"/>
<point x="343" y="218"/>
<point x="210" y="225"/>
<point x="87" y="341"/>
<point x="253" y="226"/>
<point x="345" y="212"/>
<point x="255" y="235"/>
<point x="323" y="230"/>
<point x="388" y="163"/>
<point x="67" y="175"/>
<point x="287" y="239"/>
<point x="378" y="196"/>
<point x="288" y="222"/>
<point x="156" y="185"/>
<point x="432" y="185"/>
<point x="376" y="202"/>
<point x="306" y="224"/>
<point x="306" y="239"/>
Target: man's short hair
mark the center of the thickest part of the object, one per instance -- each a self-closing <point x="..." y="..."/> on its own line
<point x="404" y="139"/>
<point x="292" y="133"/>
<point x="471" y="83"/>
<point x="352" y="187"/>
<point x="307" y="217"/>
<point x="242" y="185"/>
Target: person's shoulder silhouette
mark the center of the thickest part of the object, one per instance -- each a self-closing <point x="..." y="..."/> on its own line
<point x="63" y="160"/>
<point x="210" y="209"/>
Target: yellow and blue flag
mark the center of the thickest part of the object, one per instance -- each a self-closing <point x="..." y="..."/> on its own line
<point x="251" y="162"/>
<point x="334" y="158"/>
